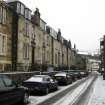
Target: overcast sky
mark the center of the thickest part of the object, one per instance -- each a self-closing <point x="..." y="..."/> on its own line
<point x="81" y="21"/>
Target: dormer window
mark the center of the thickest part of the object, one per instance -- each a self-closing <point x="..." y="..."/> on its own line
<point x="42" y="24"/>
<point x="22" y="9"/>
<point x="27" y="14"/>
<point x="18" y="8"/>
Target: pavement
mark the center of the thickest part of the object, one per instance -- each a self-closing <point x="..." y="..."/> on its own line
<point x="98" y="92"/>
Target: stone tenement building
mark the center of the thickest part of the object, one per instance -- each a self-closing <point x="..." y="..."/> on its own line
<point x="28" y="44"/>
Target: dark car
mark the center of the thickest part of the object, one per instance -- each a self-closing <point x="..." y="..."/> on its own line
<point x="43" y="83"/>
<point x="10" y="93"/>
<point x="73" y="76"/>
<point x="63" y="78"/>
<point x="78" y="75"/>
<point x="84" y="74"/>
<point x="103" y="76"/>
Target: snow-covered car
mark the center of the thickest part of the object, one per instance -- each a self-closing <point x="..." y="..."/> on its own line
<point x="43" y="83"/>
<point x="11" y="93"/>
<point x="63" y="78"/>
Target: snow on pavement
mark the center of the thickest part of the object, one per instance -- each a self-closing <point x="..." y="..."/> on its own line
<point x="98" y="95"/>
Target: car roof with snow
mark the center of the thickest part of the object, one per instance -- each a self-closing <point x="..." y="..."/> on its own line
<point x="61" y="74"/>
<point x="37" y="78"/>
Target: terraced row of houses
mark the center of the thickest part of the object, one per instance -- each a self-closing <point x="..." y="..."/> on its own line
<point x="27" y="43"/>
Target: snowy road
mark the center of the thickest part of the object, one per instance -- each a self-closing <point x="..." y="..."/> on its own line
<point x="69" y="97"/>
<point x="73" y="96"/>
<point x="38" y="99"/>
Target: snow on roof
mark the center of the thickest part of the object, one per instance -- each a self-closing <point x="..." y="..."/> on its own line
<point x="41" y="76"/>
<point x="61" y="74"/>
<point x="35" y="79"/>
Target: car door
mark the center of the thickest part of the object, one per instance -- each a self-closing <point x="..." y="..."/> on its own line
<point x="10" y="91"/>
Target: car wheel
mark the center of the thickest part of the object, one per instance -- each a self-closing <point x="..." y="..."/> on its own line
<point x="25" y="98"/>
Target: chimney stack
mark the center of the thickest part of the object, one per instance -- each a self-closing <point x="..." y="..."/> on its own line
<point x="36" y="17"/>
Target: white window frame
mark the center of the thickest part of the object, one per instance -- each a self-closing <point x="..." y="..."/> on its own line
<point x="3" y="50"/>
<point x="3" y="15"/>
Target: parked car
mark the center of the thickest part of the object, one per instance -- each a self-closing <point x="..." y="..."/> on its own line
<point x="74" y="77"/>
<point x="43" y="83"/>
<point x="84" y="73"/>
<point x="10" y="93"/>
<point x="63" y="78"/>
<point x="103" y="76"/>
<point x="78" y="74"/>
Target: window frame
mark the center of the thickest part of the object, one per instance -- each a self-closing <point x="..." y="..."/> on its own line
<point x="3" y="44"/>
<point x="3" y="12"/>
<point x="27" y="28"/>
<point x="22" y="10"/>
<point x="26" y="48"/>
<point x="18" y="7"/>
